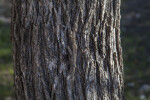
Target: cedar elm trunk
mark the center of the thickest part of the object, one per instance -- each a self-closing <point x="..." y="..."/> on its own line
<point x="67" y="50"/>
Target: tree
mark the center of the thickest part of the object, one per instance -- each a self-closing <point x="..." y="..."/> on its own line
<point x="67" y="50"/>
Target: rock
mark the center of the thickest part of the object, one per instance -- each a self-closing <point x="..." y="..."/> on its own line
<point x="138" y="15"/>
<point x="4" y="20"/>
<point x="8" y="98"/>
<point x="145" y="88"/>
<point x="131" y="84"/>
<point x="142" y="97"/>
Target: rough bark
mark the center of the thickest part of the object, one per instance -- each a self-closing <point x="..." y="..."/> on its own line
<point x="67" y="50"/>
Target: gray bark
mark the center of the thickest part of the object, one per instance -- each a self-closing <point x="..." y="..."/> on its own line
<point x="67" y="50"/>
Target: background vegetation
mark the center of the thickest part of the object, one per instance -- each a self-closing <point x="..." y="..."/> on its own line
<point x="135" y="27"/>
<point x="135" y="34"/>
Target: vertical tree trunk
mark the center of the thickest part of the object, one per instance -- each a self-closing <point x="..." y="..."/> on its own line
<point x="67" y="50"/>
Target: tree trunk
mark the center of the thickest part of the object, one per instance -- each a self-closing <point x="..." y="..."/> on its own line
<point x="67" y="50"/>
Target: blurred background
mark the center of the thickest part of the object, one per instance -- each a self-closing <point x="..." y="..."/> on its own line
<point x="135" y="35"/>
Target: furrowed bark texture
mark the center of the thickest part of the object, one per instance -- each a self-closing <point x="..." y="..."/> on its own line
<point x="67" y="50"/>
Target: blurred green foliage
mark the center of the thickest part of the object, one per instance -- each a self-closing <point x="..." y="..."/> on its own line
<point x="135" y="25"/>
<point x="6" y="65"/>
